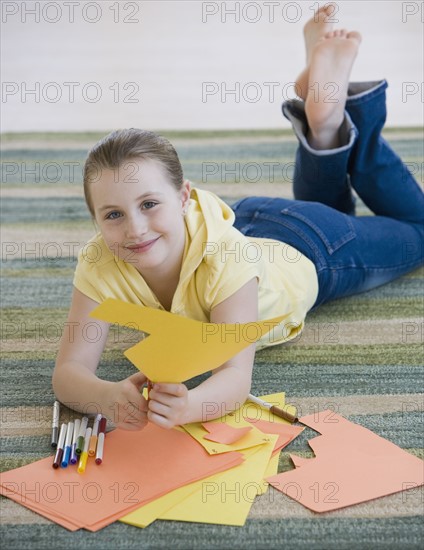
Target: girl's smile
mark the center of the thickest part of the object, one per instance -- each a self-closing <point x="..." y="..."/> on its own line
<point x="142" y="247"/>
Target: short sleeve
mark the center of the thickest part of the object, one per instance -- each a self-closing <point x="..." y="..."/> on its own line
<point x="234" y="263"/>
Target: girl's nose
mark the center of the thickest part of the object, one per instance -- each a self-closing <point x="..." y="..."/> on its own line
<point x="136" y="226"/>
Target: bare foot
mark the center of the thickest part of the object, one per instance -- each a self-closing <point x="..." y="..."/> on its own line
<point x="315" y="28"/>
<point x="331" y="62"/>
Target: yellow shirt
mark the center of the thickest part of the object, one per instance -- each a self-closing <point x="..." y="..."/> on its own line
<point x="218" y="260"/>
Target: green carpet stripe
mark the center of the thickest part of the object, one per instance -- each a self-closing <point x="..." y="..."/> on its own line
<point x="48" y="225"/>
<point x="201" y="163"/>
<point x="35" y="293"/>
<point x="20" y="210"/>
<point x="287" y="357"/>
<point x="395" y="354"/>
<point x="358" y="307"/>
<point x="65" y="272"/>
<point x="44" y="291"/>
<point x="293" y="533"/>
<point x="317" y="380"/>
<point x="302" y="381"/>
<point x="248" y="149"/>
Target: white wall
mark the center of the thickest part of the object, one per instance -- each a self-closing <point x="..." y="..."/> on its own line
<point x="173" y="48"/>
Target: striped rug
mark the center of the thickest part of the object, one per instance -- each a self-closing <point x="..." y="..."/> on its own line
<point x="361" y="356"/>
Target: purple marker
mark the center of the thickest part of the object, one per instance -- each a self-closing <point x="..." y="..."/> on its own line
<point x="74" y="457"/>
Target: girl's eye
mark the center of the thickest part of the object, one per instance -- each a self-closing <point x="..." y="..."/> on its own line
<point x="147" y="205"/>
<point x="113" y="215"/>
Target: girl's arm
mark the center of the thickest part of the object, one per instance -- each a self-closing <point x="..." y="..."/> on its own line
<point x="74" y="380"/>
<point x="229" y="385"/>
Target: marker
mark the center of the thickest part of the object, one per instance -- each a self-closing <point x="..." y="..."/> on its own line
<point x="77" y="424"/>
<point x="100" y="446"/>
<point x="102" y="425"/>
<point x="101" y="441"/>
<point x="272" y="408"/>
<point x="55" y="423"/>
<point x="68" y="443"/>
<point x="59" y="450"/>
<point x="93" y="439"/>
<point x="84" y="454"/>
<point x="80" y="439"/>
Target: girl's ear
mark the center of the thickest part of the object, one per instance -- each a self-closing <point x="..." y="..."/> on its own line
<point x="185" y="195"/>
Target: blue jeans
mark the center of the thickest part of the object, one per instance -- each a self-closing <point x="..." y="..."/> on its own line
<point x="351" y="254"/>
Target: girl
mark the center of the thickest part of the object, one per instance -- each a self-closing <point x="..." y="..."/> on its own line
<point x="162" y="244"/>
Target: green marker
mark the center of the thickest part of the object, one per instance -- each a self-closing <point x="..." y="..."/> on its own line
<point x="80" y="439"/>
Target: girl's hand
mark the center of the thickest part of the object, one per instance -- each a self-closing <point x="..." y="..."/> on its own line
<point x="167" y="404"/>
<point x="125" y="405"/>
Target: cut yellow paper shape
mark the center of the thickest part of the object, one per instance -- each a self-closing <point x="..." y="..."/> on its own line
<point x="179" y="348"/>
<point x="237" y="419"/>
<point x="223" y="433"/>
<point x="252" y="438"/>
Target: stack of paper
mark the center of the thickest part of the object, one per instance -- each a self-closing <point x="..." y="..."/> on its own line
<point x="157" y="473"/>
<point x="137" y="468"/>
<point x="226" y="498"/>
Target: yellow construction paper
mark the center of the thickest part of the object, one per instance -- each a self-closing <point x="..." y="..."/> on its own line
<point x="236" y="419"/>
<point x="147" y="514"/>
<point x="271" y="470"/>
<point x="179" y="348"/>
<point x="226" y="499"/>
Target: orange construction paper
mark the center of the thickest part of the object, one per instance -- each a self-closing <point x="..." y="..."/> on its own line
<point x="137" y="468"/>
<point x="223" y="433"/>
<point x="285" y="432"/>
<point x="351" y="465"/>
<point x="179" y="348"/>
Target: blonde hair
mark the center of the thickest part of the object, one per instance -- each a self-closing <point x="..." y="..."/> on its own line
<point x="122" y="145"/>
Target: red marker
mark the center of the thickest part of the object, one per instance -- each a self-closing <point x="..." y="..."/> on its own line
<point x="60" y="446"/>
<point x="101" y="440"/>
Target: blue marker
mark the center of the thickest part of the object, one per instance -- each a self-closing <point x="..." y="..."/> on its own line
<point x="68" y="443"/>
<point x="74" y="457"/>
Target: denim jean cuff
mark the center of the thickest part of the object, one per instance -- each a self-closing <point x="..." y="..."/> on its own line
<point x="359" y="92"/>
<point x="294" y="111"/>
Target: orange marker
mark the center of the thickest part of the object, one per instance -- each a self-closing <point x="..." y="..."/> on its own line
<point x="93" y="438"/>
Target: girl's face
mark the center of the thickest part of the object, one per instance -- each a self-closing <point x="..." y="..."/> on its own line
<point x="141" y="215"/>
